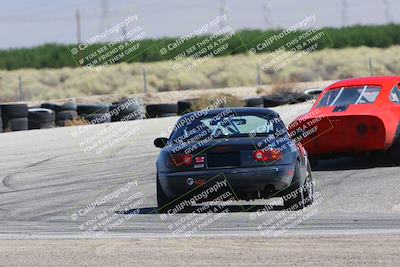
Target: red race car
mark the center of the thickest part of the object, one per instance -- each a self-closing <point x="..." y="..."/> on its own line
<point x="353" y="116"/>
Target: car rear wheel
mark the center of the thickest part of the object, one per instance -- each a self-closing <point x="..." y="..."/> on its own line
<point x="308" y="188"/>
<point x="394" y="153"/>
<point x="164" y="203"/>
<point x="294" y="198"/>
<point x="314" y="162"/>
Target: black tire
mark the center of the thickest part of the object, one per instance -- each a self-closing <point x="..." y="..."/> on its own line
<point x="66" y="115"/>
<point x="299" y="97"/>
<point x="18" y="124"/>
<point x="167" y="115"/>
<point x="164" y="203"/>
<point x="314" y="92"/>
<point x="51" y="106"/>
<point x="39" y="118"/>
<point x="185" y="106"/>
<point x="11" y="111"/>
<point x="97" y="118"/>
<point x="314" y="161"/>
<point x="309" y="187"/>
<point x="294" y="197"/>
<point x="394" y="153"/>
<point x="154" y="111"/>
<point x="126" y="112"/>
<point x="61" y="123"/>
<point x="47" y="125"/>
<point x="68" y="106"/>
<point x="1" y="122"/>
<point x="254" y="102"/>
<point x="276" y="100"/>
<point x="41" y="115"/>
<point x="113" y="111"/>
<point x="93" y="109"/>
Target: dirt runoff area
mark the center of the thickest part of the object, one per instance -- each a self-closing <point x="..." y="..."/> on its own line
<point x="353" y="250"/>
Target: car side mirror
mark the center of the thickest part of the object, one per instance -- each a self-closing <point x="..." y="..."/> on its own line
<point x="160" y="142"/>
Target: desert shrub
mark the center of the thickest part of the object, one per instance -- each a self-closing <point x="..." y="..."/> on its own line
<point x="229" y="71"/>
<point x="210" y="99"/>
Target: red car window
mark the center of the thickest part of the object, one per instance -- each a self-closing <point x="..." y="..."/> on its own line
<point x="395" y="95"/>
<point x="350" y="96"/>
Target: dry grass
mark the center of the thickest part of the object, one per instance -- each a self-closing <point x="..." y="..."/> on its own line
<point x="231" y="71"/>
<point x="75" y="122"/>
<point x="210" y="99"/>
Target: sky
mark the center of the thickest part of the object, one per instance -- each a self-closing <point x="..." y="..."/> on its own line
<point x="27" y="23"/>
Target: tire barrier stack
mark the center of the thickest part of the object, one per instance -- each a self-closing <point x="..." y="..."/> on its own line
<point x="254" y="102"/>
<point x="14" y="117"/>
<point x="186" y="105"/>
<point x="94" y="113"/>
<point x="1" y="122"/>
<point x="17" y="117"/>
<point x="127" y="110"/>
<point x="64" y="113"/>
<point x="285" y="98"/>
<point x="315" y="92"/>
<point x="41" y="118"/>
<point x="162" y="110"/>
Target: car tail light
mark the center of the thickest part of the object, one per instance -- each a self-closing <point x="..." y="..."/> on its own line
<point x="182" y="160"/>
<point x="267" y="155"/>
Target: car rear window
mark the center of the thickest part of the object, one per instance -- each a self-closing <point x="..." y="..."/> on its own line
<point x="350" y="96"/>
<point x="231" y="126"/>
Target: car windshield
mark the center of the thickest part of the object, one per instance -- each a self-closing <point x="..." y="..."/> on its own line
<point x="350" y="96"/>
<point x="230" y="126"/>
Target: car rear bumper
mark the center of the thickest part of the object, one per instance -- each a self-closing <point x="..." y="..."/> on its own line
<point x="344" y="134"/>
<point x="239" y="180"/>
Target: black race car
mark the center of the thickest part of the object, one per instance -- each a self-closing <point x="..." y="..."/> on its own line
<point x="245" y="153"/>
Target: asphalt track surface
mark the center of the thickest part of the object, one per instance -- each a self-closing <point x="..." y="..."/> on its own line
<point x="48" y="181"/>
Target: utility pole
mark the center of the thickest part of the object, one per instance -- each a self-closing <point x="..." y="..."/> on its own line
<point x="222" y="12"/>
<point x="78" y="35"/>
<point x="144" y="79"/>
<point x="371" y="70"/>
<point x="124" y="33"/>
<point x="104" y="15"/>
<point x="267" y="10"/>
<point x="258" y="74"/>
<point x="20" y="89"/>
<point x="388" y="11"/>
<point x="345" y="13"/>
